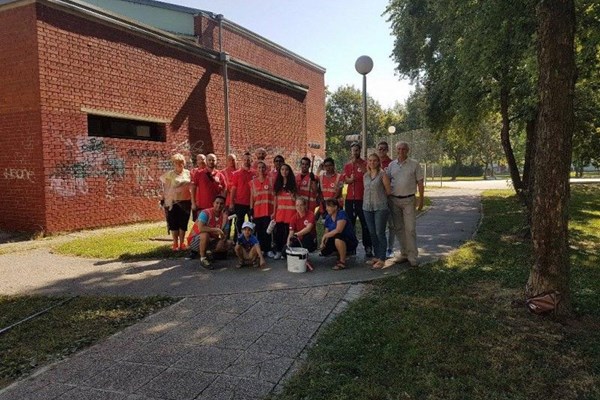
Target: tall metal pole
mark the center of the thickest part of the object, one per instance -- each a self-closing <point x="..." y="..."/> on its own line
<point x="224" y="57"/>
<point x="364" y="117"/>
<point x="363" y="66"/>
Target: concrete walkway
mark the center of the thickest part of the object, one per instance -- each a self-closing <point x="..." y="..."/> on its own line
<point x="236" y="334"/>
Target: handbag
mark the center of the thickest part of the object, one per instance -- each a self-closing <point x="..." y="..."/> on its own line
<point x="543" y="303"/>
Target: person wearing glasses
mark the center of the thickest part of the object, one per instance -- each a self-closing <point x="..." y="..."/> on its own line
<point x="354" y="172"/>
<point x="406" y="176"/>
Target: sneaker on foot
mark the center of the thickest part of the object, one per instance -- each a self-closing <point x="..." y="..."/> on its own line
<point x="175" y="247"/>
<point x="205" y="263"/>
<point x="277" y="256"/>
<point x="270" y="254"/>
<point x="183" y="246"/>
<point x="389" y="253"/>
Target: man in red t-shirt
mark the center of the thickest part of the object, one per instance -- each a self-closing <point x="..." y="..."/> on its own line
<point x="303" y="230"/>
<point x="259" y="154"/>
<point x="207" y="184"/>
<point x="200" y="164"/>
<point x="240" y="190"/>
<point x="382" y="151"/>
<point x="354" y="172"/>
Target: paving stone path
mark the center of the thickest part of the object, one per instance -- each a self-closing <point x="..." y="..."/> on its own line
<point x="236" y="334"/>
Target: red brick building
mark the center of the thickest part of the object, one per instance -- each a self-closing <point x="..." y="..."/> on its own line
<point x="93" y="104"/>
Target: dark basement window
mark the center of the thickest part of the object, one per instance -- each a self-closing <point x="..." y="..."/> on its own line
<point x="103" y="126"/>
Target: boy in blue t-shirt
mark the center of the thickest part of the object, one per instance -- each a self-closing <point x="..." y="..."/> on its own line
<point x="247" y="248"/>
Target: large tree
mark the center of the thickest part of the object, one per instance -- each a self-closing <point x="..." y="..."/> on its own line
<point x="479" y="57"/>
<point x="473" y="58"/>
<point x="343" y="116"/>
<point x="553" y="145"/>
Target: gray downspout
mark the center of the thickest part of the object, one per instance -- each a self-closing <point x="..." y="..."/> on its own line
<point x="224" y="58"/>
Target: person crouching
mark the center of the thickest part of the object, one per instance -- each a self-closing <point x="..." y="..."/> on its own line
<point x="248" y="249"/>
<point x="210" y="233"/>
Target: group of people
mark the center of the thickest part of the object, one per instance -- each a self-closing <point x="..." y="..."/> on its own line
<point x="273" y="208"/>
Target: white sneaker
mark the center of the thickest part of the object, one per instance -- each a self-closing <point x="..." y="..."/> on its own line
<point x="270" y="254"/>
<point x="278" y="256"/>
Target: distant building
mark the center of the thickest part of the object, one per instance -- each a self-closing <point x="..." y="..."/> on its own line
<point x="94" y="101"/>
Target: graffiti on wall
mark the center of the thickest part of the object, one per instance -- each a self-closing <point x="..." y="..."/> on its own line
<point x="19" y="174"/>
<point x="185" y="147"/>
<point x="88" y="157"/>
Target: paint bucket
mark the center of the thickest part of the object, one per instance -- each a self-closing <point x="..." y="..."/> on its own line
<point x="296" y="259"/>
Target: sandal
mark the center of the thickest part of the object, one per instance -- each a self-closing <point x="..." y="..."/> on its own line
<point x="339" y="266"/>
<point x="378" y="265"/>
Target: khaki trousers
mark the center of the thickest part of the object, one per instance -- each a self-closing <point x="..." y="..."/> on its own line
<point x="404" y="217"/>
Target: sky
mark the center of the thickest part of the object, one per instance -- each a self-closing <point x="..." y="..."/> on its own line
<point x="330" y="33"/>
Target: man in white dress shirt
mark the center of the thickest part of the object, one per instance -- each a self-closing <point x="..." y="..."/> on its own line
<point x="406" y="176"/>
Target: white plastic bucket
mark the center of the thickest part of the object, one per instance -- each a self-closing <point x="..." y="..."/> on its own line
<point x="296" y="259"/>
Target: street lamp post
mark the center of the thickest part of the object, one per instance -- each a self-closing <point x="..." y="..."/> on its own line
<point x="391" y="131"/>
<point x="364" y="65"/>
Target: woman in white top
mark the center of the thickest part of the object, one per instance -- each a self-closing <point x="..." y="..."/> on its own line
<point x="177" y="200"/>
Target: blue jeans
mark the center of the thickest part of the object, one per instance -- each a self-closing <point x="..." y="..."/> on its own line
<point x="376" y="223"/>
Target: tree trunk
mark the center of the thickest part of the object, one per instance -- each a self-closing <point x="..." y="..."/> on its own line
<point x="556" y="86"/>
<point x="528" y="176"/>
<point x="507" y="147"/>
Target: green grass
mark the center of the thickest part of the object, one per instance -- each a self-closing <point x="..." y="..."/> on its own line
<point x="134" y="244"/>
<point x="457" y="329"/>
<point x="63" y="330"/>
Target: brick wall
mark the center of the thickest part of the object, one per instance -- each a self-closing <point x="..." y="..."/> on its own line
<point x="90" y="182"/>
<point x="21" y="168"/>
<point x="264" y="56"/>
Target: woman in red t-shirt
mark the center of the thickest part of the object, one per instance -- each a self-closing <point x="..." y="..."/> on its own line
<point x="230" y="168"/>
<point x="303" y="231"/>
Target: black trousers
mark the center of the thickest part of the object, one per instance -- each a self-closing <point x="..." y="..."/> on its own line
<point x="309" y="242"/>
<point x="241" y="211"/>
<point x="280" y="235"/>
<point x="264" y="239"/>
<point x="354" y="208"/>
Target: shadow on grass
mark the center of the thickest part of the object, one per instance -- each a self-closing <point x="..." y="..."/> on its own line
<point x="452" y="330"/>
